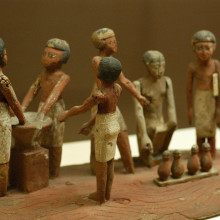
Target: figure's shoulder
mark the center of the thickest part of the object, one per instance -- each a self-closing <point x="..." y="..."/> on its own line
<point x="118" y="87"/>
<point x="4" y="81"/>
<point x="96" y="60"/>
<point x="192" y="67"/>
<point x="98" y="95"/>
<point x="138" y="82"/>
<point x="168" y="81"/>
<point x="217" y="62"/>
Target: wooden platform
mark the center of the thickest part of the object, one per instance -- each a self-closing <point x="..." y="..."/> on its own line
<point x="134" y="197"/>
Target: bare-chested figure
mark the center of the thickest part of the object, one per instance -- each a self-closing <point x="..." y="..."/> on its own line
<point x="7" y="98"/>
<point x="153" y="133"/>
<point x="105" y="41"/>
<point x="202" y="71"/>
<point x="106" y="125"/>
<point x="52" y="81"/>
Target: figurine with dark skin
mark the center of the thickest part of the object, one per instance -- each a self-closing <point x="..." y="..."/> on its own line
<point x="52" y="81"/>
<point x="153" y="133"/>
<point x="105" y="41"/>
<point x="7" y="98"/>
<point x="204" y="104"/>
<point x="106" y="125"/>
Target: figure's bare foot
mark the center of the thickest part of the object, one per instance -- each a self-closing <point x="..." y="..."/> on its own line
<point x="94" y="196"/>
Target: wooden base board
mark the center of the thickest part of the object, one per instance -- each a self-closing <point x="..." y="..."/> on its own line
<point x="134" y="197"/>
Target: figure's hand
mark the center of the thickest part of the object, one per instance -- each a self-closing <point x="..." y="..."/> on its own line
<point x="147" y="148"/>
<point x="22" y="121"/>
<point x="40" y="116"/>
<point x="143" y="101"/>
<point x="171" y="124"/>
<point x="85" y="129"/>
<point x="62" y="116"/>
<point x="190" y="116"/>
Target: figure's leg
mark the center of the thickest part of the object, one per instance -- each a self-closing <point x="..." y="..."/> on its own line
<point x="110" y="177"/>
<point x="211" y="141"/>
<point x="170" y="129"/>
<point x="92" y="155"/>
<point x="101" y="179"/>
<point x="200" y="141"/>
<point x="3" y="178"/>
<point x="55" y="154"/>
<point x="125" y="151"/>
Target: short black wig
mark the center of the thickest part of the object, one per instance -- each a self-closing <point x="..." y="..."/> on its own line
<point x="109" y="69"/>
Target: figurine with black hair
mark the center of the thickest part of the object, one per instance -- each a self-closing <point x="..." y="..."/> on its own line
<point x="104" y="40"/>
<point x="106" y="124"/>
<point x="7" y="98"/>
<point x="204" y="103"/>
<point x="153" y="132"/>
<point x="52" y="81"/>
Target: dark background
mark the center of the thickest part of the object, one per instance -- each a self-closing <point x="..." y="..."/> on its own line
<point x="139" y="25"/>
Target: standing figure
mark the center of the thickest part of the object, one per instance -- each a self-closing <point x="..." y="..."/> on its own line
<point x="7" y="98"/>
<point x="52" y="81"/>
<point x="105" y="41"/>
<point x="152" y="131"/>
<point x="106" y="128"/>
<point x="205" y="71"/>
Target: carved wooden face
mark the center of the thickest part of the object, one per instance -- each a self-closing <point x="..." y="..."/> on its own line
<point x="5" y="58"/>
<point x="204" y="50"/>
<point x="51" y="57"/>
<point x="156" y="69"/>
<point x="111" y="45"/>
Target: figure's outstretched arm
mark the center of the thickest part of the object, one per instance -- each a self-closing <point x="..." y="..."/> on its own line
<point x="189" y="94"/>
<point x="171" y="109"/>
<point x="129" y="86"/>
<point x="32" y="92"/>
<point x="140" y="119"/>
<point x="55" y="94"/>
<point x="94" y="99"/>
<point x="9" y="94"/>
<point x="86" y="128"/>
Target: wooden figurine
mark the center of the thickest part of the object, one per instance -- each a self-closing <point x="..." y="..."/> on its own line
<point x="152" y="130"/>
<point x="193" y="163"/>
<point x="105" y="41"/>
<point x="165" y="167"/>
<point x="206" y="158"/>
<point x="202" y="105"/>
<point x="177" y="167"/>
<point x="106" y="128"/>
<point x="7" y="98"/>
<point x="52" y="81"/>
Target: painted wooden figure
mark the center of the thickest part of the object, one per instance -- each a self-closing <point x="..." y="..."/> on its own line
<point x="7" y="98"/>
<point x="52" y="81"/>
<point x="105" y="41"/>
<point x="203" y="102"/>
<point x="106" y="124"/>
<point x="152" y="131"/>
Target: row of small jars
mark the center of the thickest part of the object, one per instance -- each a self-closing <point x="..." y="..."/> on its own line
<point x="195" y="163"/>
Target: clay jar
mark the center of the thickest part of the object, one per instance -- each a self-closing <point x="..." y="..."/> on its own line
<point x="165" y="166"/>
<point x="206" y="158"/>
<point x="193" y="164"/>
<point x="177" y="167"/>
